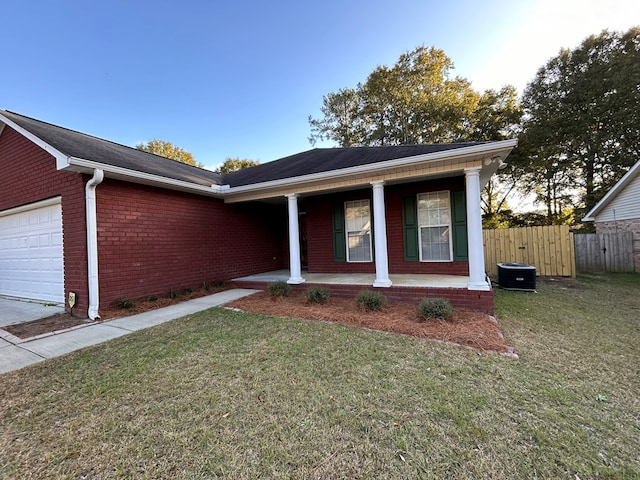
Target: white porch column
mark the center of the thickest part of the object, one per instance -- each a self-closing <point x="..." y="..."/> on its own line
<point x="477" y="276"/>
<point x="380" y="236"/>
<point x="295" y="270"/>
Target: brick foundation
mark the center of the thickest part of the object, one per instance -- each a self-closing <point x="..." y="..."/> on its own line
<point x="459" y="297"/>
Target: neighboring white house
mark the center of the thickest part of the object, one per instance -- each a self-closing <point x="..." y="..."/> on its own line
<point x="619" y="210"/>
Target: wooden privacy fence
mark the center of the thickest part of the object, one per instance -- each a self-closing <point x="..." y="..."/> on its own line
<point x="604" y="252"/>
<point x="550" y="249"/>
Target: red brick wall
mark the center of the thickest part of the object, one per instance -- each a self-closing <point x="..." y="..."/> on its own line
<point x="320" y="231"/>
<point x="28" y="174"/>
<point x="151" y="240"/>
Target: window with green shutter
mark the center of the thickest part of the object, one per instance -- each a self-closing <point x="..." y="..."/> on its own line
<point x="339" y="244"/>
<point x="410" y="229"/>
<point x="457" y="223"/>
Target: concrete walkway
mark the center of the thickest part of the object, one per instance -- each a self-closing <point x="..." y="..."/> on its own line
<point x="15" y="310"/>
<point x="13" y="357"/>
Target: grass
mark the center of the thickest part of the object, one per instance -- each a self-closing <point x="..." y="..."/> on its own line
<point x="233" y="395"/>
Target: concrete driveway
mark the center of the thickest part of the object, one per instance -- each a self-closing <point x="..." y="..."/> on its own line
<point x="18" y="311"/>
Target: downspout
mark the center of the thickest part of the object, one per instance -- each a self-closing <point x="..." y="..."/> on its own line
<point x="92" y="242"/>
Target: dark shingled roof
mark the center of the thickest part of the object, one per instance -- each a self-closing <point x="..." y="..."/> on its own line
<point x="87" y="147"/>
<point x="326" y="159"/>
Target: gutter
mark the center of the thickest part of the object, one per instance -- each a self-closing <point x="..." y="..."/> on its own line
<point x="79" y="164"/>
<point x="92" y="243"/>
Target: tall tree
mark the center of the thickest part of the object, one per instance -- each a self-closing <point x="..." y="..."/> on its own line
<point x="342" y="122"/>
<point x="416" y="101"/>
<point x="582" y="125"/>
<point x="235" y="164"/>
<point x="168" y="150"/>
<point x="497" y="117"/>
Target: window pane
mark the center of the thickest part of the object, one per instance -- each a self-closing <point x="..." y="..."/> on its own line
<point x="359" y="247"/>
<point x="358" y="226"/>
<point x="434" y="220"/>
<point x="435" y="243"/>
<point x="357" y="215"/>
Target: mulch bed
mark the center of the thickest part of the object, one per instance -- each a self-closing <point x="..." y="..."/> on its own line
<point x="59" y="321"/>
<point x="468" y="327"/>
<point x="64" y="320"/>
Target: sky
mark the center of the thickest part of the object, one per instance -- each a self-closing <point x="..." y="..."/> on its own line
<point x="240" y="78"/>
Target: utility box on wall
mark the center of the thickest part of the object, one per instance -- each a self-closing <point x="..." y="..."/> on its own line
<point x="517" y="276"/>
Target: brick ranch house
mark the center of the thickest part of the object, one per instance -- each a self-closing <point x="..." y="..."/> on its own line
<point x="105" y="221"/>
<point x="619" y="210"/>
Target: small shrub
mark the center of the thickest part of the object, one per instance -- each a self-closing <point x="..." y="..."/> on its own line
<point x="278" y="289"/>
<point x="126" y="304"/>
<point x="370" y="300"/>
<point x="317" y="294"/>
<point x="187" y="291"/>
<point x="219" y="283"/>
<point x="172" y="293"/>
<point x="206" y="286"/>
<point x="435" y="308"/>
<point x="152" y="298"/>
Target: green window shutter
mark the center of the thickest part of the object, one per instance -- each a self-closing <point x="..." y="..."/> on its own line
<point x="410" y="229"/>
<point x="339" y="243"/>
<point x="459" y="225"/>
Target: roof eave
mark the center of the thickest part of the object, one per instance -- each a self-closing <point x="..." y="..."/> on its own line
<point x="612" y="193"/>
<point x="87" y="166"/>
<point x="494" y="154"/>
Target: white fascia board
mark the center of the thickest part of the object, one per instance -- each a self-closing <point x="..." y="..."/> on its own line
<point x="87" y="166"/>
<point x="482" y="149"/>
<point x="62" y="160"/>
<point x="611" y="194"/>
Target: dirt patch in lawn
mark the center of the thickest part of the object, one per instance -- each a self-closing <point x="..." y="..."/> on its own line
<point x="59" y="321"/>
<point x="467" y="327"/>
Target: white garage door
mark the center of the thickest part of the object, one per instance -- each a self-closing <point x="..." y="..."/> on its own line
<point x="31" y="252"/>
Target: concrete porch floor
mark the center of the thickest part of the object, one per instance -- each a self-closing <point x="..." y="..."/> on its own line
<point x="398" y="280"/>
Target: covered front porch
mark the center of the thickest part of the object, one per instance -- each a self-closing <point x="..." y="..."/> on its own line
<point x="405" y="287"/>
<point x="405" y="220"/>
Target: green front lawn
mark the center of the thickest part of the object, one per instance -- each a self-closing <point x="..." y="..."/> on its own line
<point x="234" y="395"/>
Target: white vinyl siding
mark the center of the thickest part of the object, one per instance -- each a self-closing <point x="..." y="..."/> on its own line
<point x="434" y="227"/>
<point x="357" y="216"/>
<point x="625" y="205"/>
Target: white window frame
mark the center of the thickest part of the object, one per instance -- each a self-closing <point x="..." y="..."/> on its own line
<point x="435" y="225"/>
<point x="347" y="231"/>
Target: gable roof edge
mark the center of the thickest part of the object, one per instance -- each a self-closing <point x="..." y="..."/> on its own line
<point x="612" y="193"/>
<point x="62" y="160"/>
